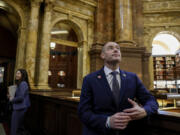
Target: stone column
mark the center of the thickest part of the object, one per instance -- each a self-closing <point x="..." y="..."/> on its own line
<point x="45" y="48"/>
<point x="79" y="66"/>
<point x="20" y="54"/>
<point x="32" y="41"/>
<point x="85" y="58"/>
<point x="123" y="22"/>
<point x="147" y="67"/>
<point x="83" y="62"/>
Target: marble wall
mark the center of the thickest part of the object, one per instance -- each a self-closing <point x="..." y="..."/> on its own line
<point x="37" y="19"/>
<point x="95" y="22"/>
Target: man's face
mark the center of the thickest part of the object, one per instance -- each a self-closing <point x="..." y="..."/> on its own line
<point x="111" y="52"/>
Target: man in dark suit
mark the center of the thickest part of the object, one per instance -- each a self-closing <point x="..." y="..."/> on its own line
<point x="107" y="105"/>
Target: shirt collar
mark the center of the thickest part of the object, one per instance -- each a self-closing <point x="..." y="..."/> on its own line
<point x="108" y="70"/>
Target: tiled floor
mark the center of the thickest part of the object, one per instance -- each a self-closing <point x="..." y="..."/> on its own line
<point x="2" y="131"/>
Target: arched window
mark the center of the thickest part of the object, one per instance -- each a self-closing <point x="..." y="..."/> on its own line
<point x="165" y="44"/>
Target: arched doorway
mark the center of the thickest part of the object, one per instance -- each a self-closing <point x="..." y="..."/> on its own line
<point x="164" y="47"/>
<point x="63" y="56"/>
<point x="9" y="25"/>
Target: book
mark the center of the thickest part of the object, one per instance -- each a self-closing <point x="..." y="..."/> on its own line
<point x="12" y="91"/>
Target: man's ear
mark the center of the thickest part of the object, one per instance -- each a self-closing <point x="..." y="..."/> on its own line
<point x="102" y="55"/>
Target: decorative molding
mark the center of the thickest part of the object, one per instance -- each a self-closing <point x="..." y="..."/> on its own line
<point x="73" y="13"/>
<point x="161" y="7"/>
<point x="65" y="42"/>
<point x="162" y="20"/>
<point x="161" y="24"/>
<point x="90" y="2"/>
<point x="139" y="50"/>
<point x="161" y="11"/>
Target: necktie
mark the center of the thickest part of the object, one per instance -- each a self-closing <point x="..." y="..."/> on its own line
<point x="115" y="86"/>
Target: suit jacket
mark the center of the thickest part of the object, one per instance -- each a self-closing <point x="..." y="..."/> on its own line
<point x="21" y="99"/>
<point x="97" y="101"/>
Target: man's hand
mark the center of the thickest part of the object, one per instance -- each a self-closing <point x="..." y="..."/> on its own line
<point x="119" y="120"/>
<point x="136" y="112"/>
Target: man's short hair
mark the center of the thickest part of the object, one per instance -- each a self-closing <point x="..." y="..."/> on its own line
<point x="102" y="50"/>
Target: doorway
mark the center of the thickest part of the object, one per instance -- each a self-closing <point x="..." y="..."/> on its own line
<point x="63" y="57"/>
<point x="9" y="25"/>
<point x="8" y="42"/>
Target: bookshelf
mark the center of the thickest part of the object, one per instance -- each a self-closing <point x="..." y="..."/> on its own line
<point x="167" y="80"/>
<point x="164" y="73"/>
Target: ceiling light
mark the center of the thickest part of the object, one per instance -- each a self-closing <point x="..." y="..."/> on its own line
<point x="59" y="32"/>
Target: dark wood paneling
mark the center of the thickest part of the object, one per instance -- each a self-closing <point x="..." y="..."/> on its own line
<point x="63" y="58"/>
<point x="55" y="116"/>
<point x="50" y="116"/>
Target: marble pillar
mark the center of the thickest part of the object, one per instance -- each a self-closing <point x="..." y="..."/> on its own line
<point x="99" y="26"/>
<point x="123" y="22"/>
<point x="79" y="66"/>
<point x="31" y="45"/>
<point x="45" y="48"/>
<point x="20" y="54"/>
<point x="83" y="62"/>
<point x="147" y="70"/>
<point x="86" y="59"/>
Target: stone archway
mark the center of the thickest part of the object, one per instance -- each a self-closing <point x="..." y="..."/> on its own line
<point x="21" y="34"/>
<point x="77" y="27"/>
<point x="82" y="67"/>
<point x="168" y="48"/>
<point x="15" y="24"/>
<point x="176" y="35"/>
<point x="19" y="11"/>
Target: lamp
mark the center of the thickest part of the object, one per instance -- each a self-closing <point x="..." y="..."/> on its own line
<point x="57" y="32"/>
<point x="49" y="73"/>
<point x="61" y="73"/>
<point x="52" y="45"/>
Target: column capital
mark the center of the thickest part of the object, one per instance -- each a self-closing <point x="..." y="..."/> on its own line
<point x="126" y="43"/>
<point x="21" y="29"/>
<point x="145" y="56"/>
<point x="49" y="1"/>
<point x="49" y="5"/>
<point x="36" y="3"/>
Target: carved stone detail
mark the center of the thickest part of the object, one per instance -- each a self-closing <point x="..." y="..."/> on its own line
<point x="163" y="6"/>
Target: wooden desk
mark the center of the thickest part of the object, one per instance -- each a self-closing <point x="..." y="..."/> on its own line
<point x="52" y="113"/>
<point x="169" y="96"/>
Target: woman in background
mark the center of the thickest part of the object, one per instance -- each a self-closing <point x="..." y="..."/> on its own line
<point x="20" y="102"/>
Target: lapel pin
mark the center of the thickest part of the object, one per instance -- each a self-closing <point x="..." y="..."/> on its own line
<point x="124" y="75"/>
<point x="99" y="77"/>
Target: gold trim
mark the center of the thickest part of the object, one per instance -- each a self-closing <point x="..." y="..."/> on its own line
<point x="65" y="42"/>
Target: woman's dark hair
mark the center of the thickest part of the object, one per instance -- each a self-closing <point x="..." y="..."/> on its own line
<point x="24" y="77"/>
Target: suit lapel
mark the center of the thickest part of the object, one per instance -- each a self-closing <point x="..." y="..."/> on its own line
<point x="103" y="80"/>
<point x="123" y="83"/>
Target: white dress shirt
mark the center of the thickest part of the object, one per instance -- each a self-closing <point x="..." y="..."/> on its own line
<point x="109" y="76"/>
